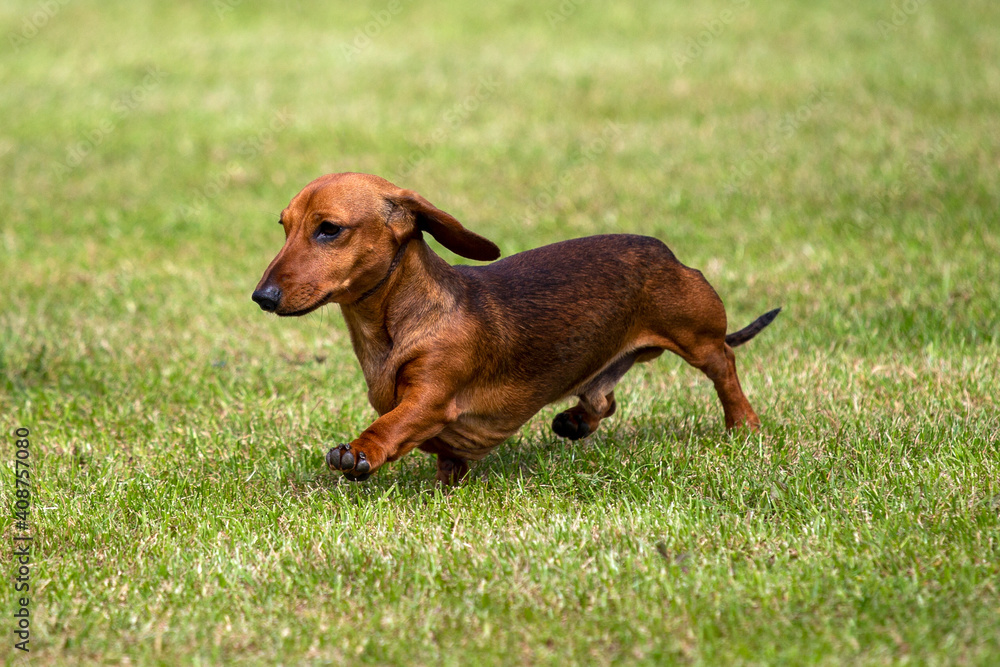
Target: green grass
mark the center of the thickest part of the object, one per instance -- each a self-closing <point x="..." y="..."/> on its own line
<point x="809" y="155"/>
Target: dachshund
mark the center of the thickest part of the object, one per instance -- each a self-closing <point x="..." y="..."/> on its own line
<point x="458" y="358"/>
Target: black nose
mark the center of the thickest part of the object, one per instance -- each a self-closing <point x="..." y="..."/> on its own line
<point x="268" y="297"/>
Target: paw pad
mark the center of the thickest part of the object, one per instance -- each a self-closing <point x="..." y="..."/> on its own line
<point x="570" y="425"/>
<point x="354" y="466"/>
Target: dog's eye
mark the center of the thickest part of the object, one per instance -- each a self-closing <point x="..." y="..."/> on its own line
<point x="327" y="231"/>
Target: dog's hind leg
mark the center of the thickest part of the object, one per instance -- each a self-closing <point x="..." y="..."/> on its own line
<point x="597" y="399"/>
<point x="583" y="419"/>
<point x="691" y="322"/>
<point x="718" y="362"/>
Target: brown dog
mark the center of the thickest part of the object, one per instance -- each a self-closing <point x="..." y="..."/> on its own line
<point x="458" y="358"/>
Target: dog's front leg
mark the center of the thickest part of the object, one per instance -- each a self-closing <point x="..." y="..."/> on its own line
<point x="421" y="415"/>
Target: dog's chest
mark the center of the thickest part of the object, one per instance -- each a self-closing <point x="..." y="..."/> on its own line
<point x="374" y="350"/>
<point x="380" y="376"/>
<point x="381" y="392"/>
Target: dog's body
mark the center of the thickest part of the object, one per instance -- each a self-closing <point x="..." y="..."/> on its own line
<point x="458" y="358"/>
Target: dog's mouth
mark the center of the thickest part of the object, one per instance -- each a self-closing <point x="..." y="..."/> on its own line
<point x="308" y="309"/>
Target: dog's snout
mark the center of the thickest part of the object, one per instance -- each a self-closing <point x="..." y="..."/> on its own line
<point x="268" y="297"/>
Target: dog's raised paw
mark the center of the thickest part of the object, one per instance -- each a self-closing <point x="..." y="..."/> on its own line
<point x="355" y="467"/>
<point x="356" y="478"/>
<point x="570" y="425"/>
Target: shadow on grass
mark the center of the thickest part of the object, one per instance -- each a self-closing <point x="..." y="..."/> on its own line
<point x="631" y="459"/>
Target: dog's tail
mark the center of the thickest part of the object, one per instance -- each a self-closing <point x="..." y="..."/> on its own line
<point x="743" y="335"/>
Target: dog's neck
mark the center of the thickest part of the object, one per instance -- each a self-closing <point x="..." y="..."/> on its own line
<point x="412" y="297"/>
<point x="388" y="274"/>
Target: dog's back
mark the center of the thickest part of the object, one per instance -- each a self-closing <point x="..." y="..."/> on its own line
<point x="569" y="307"/>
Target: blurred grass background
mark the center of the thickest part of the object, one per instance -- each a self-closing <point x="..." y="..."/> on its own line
<point x="839" y="161"/>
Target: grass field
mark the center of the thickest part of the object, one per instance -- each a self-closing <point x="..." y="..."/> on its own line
<point x="841" y="162"/>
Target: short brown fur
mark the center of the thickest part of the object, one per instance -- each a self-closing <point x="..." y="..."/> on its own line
<point x="458" y="358"/>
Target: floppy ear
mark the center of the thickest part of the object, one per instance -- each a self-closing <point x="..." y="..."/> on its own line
<point x="448" y="231"/>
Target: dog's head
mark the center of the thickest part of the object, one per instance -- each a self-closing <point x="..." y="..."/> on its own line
<point x="342" y="233"/>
